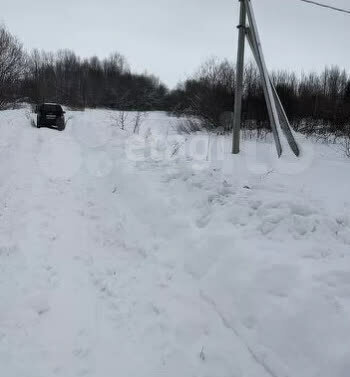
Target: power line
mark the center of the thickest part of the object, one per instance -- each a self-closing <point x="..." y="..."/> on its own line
<point x="326" y="6"/>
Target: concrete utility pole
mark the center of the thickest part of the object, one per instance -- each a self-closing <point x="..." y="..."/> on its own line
<point x="239" y="79"/>
<point x="276" y="112"/>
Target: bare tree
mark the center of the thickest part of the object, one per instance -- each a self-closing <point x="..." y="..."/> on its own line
<point x="11" y="67"/>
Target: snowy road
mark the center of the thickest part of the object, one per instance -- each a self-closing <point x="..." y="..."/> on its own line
<point x="117" y="263"/>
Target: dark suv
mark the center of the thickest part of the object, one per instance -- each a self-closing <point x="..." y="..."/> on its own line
<point x="50" y="115"/>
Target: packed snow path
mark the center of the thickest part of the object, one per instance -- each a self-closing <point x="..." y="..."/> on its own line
<point x="121" y="256"/>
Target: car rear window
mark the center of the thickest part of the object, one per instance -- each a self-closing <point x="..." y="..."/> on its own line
<point x="51" y="108"/>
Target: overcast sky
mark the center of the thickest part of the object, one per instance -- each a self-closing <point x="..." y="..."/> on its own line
<point x="170" y="38"/>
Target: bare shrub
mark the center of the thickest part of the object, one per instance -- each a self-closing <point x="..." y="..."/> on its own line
<point x="260" y="134"/>
<point x="189" y="125"/>
<point x="29" y="116"/>
<point x="139" y="117"/>
<point x="345" y="143"/>
<point x="124" y="118"/>
<point x="121" y="119"/>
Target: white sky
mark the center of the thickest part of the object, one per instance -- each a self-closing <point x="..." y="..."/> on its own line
<point x="170" y="38"/>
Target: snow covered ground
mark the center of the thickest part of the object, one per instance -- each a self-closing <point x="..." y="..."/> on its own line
<point x="159" y="254"/>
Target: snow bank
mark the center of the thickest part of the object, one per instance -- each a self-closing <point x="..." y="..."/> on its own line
<point x="161" y="254"/>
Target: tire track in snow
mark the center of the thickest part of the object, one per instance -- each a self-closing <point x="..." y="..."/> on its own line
<point x="271" y="370"/>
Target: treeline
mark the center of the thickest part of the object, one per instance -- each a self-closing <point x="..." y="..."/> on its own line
<point x="65" y="78"/>
<point x="310" y="100"/>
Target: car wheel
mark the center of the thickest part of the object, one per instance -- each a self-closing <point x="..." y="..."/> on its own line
<point x="61" y="126"/>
